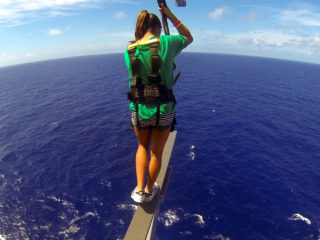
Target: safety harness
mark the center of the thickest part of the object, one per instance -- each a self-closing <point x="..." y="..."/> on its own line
<point x="153" y="92"/>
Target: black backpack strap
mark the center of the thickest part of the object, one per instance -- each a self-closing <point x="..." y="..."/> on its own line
<point x="155" y="60"/>
<point x="134" y="63"/>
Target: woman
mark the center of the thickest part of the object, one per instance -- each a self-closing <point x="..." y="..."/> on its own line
<point x="152" y="121"/>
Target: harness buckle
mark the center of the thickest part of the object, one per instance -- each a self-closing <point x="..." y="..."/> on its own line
<point x="134" y="81"/>
<point x="154" y="78"/>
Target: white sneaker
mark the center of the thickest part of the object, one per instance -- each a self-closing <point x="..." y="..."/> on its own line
<point x="137" y="196"/>
<point x="148" y="197"/>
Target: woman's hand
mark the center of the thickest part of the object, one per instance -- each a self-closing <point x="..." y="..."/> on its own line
<point x="165" y="11"/>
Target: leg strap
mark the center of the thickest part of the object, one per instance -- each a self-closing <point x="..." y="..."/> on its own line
<point x="136" y="105"/>
<point x="158" y="113"/>
<point x="174" y="122"/>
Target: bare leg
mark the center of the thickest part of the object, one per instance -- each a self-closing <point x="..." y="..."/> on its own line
<point x="159" y="139"/>
<point x="142" y="156"/>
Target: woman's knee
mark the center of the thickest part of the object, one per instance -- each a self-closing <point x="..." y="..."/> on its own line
<point x="144" y="145"/>
<point x="156" y="153"/>
<point x="143" y="138"/>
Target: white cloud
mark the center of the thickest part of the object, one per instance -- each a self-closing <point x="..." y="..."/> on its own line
<point x="267" y="42"/>
<point x="32" y="5"/>
<point x="57" y="13"/>
<point x="54" y="32"/>
<point x="119" y="35"/>
<point x="305" y="17"/>
<point x="297" y="13"/>
<point x="273" y="42"/>
<point x="265" y="38"/>
<point x="119" y="15"/>
<point x="206" y="35"/>
<point x="7" y="59"/>
<point x="29" y="55"/>
<point x="16" y="12"/>
<point x="126" y="1"/>
<point x="218" y="13"/>
<point x="117" y="46"/>
<point x="251" y="17"/>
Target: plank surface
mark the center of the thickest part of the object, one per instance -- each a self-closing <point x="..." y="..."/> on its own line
<point x="142" y="219"/>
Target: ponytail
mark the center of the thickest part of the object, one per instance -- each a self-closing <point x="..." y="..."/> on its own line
<point x="145" y="21"/>
<point x="142" y="24"/>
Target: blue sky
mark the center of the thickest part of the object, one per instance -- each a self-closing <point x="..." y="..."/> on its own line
<point x="35" y="30"/>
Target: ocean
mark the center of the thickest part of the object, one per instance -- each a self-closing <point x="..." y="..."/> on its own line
<point x="246" y="161"/>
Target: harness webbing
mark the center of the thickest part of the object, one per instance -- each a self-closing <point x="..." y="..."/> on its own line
<point x="154" y="76"/>
<point x="134" y="63"/>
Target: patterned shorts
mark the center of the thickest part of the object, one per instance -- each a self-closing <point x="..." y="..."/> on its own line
<point x="165" y="121"/>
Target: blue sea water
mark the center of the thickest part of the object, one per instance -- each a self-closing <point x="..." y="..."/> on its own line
<point x="246" y="162"/>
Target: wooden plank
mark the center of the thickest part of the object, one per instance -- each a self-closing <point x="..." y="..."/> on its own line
<point x="142" y="219"/>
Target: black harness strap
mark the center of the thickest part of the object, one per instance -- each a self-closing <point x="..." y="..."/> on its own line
<point x="136" y="105"/>
<point x="134" y="63"/>
<point x="158" y="113"/>
<point x="151" y="93"/>
<point x="154" y="76"/>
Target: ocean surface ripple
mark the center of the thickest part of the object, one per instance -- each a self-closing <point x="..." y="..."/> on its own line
<point x="245" y="162"/>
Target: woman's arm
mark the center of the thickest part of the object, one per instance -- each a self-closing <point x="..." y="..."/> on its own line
<point x="182" y="29"/>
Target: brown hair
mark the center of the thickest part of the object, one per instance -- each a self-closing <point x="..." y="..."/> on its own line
<point x="146" y="21"/>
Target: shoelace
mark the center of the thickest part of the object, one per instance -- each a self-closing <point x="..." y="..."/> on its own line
<point x="140" y="193"/>
<point x="147" y="194"/>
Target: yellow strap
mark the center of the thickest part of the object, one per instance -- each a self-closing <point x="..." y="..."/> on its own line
<point x="145" y="43"/>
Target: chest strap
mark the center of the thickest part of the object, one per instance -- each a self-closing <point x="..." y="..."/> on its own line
<point x="151" y="94"/>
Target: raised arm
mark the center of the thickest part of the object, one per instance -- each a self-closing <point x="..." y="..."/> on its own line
<point x="182" y="29"/>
